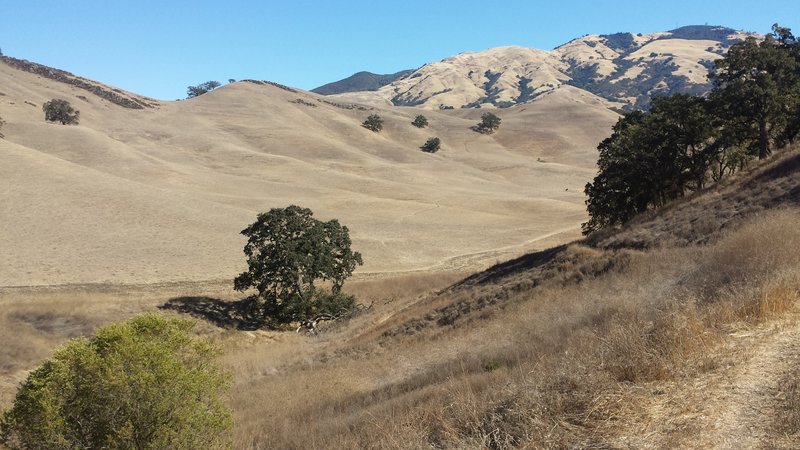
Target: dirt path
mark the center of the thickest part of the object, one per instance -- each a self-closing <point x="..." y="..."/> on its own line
<point x="755" y="390"/>
<point x="732" y="405"/>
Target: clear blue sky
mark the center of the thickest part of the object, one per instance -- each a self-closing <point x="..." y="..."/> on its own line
<point x="158" y="47"/>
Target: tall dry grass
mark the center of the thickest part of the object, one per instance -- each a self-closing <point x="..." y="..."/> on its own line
<point x="542" y="370"/>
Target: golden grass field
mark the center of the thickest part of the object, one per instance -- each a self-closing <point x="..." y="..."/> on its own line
<point x="160" y="194"/>
<point x="678" y="331"/>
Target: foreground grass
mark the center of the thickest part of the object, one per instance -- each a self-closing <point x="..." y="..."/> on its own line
<point x="544" y="368"/>
<point x="570" y="354"/>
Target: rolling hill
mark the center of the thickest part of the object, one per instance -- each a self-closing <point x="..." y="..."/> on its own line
<point x="148" y="191"/>
<point x="623" y="68"/>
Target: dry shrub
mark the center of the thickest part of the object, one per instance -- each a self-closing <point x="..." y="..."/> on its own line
<point x="750" y="255"/>
<point x="778" y="297"/>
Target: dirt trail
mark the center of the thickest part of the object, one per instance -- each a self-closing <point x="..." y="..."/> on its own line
<point x="731" y="406"/>
<point x="755" y="391"/>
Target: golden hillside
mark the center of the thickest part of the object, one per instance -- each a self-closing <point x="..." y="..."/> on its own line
<point x="160" y="193"/>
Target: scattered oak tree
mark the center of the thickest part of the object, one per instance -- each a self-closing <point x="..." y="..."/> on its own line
<point x="757" y="92"/>
<point x="373" y="123"/>
<point x="432" y="145"/>
<point x="420" y="121"/>
<point x="58" y="110"/>
<point x="202" y="88"/>
<point x="288" y="251"/>
<point x="489" y="123"/>
<point x="144" y="383"/>
<point x="650" y="159"/>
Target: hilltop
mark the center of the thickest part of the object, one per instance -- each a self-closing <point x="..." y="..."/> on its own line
<point x="361" y="81"/>
<point x="623" y="68"/>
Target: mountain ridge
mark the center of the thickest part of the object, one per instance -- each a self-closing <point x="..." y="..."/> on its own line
<point x="625" y="69"/>
<point x="360" y="81"/>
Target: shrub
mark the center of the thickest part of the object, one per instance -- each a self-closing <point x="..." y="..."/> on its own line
<point x="373" y="123"/>
<point x="57" y="110"/>
<point x="2" y="122"/>
<point x="420" y="121"/>
<point x="489" y="123"/>
<point x="432" y="145"/>
<point x="145" y="383"/>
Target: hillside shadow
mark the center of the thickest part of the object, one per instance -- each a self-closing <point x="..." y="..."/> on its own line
<point x="783" y="169"/>
<point x="224" y="314"/>
<point x="522" y="264"/>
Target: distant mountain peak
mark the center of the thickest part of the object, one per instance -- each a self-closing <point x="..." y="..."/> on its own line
<point x="624" y="68"/>
<point x="360" y="81"/>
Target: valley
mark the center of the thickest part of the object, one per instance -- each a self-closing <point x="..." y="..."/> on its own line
<point x="484" y="318"/>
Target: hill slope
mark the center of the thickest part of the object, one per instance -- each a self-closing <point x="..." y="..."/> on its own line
<point x="160" y="193"/>
<point x="625" y="69"/>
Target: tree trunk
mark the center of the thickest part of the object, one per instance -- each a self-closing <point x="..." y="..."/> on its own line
<point x="763" y="140"/>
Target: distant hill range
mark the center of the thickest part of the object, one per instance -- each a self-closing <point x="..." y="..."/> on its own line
<point x="361" y="81"/>
<point x="625" y="69"/>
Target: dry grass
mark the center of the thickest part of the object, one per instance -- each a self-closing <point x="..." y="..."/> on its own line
<point x="543" y="370"/>
<point x="535" y="358"/>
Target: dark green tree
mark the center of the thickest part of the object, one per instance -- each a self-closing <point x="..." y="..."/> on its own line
<point x="650" y="159"/>
<point x="58" y="110"/>
<point x="420" y="121"/>
<point x="432" y="145"/>
<point x="489" y="123"/>
<point x="756" y="94"/>
<point x="145" y="383"/>
<point x="656" y="156"/>
<point x="288" y="251"/>
<point x="373" y="123"/>
<point x="202" y="88"/>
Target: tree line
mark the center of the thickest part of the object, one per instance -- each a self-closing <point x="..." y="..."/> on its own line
<point x="684" y="142"/>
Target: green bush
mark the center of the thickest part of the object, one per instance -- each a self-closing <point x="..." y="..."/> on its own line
<point x="420" y="121"/>
<point x="489" y="123"/>
<point x="373" y="123"/>
<point x="432" y="145"/>
<point x="144" y="383"/>
<point x="57" y="110"/>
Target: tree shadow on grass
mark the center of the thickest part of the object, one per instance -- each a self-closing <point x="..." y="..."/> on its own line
<point x="238" y="314"/>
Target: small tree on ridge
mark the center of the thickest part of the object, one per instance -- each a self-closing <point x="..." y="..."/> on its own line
<point x="58" y="110"/>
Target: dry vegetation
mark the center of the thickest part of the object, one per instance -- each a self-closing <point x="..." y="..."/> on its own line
<point x="584" y="345"/>
<point x="549" y="368"/>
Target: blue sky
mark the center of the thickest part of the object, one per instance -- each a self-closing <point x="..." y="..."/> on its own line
<point x="158" y="47"/>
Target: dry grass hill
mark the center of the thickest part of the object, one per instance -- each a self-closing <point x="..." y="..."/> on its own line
<point x="625" y="69"/>
<point x="680" y="330"/>
<point x="160" y="193"/>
